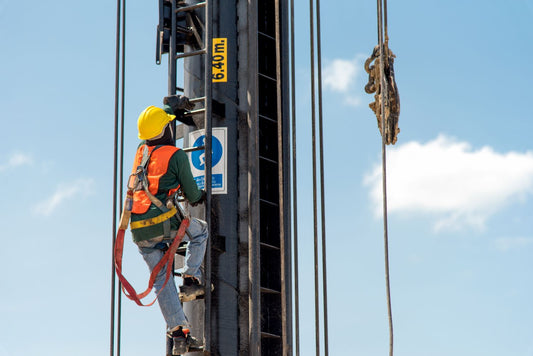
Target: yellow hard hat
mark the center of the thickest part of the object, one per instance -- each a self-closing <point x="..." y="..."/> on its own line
<point x="152" y="122"/>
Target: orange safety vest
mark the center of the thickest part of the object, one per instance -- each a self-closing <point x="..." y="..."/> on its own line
<point x="157" y="167"/>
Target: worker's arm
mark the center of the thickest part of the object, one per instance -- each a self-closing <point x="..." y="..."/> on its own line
<point x="168" y="109"/>
<point x="179" y="165"/>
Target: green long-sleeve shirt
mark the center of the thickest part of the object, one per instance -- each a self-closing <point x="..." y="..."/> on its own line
<point x="178" y="173"/>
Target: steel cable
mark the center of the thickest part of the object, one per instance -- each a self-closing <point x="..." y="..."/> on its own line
<point x="115" y="178"/>
<point x="322" y="189"/>
<point x="294" y="189"/>
<point x="121" y="164"/>
<point x="313" y="141"/>
<point x="382" y="12"/>
<point x="116" y="302"/>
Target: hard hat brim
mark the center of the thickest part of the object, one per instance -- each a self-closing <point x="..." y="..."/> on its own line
<point x="164" y="123"/>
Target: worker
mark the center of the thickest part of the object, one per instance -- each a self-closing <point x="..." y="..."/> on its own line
<point x="167" y="169"/>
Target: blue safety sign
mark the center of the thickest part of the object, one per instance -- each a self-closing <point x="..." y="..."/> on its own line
<point x="218" y="159"/>
<point x="198" y="157"/>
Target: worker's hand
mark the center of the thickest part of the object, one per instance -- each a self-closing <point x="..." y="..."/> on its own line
<point x="201" y="200"/>
<point x="178" y="103"/>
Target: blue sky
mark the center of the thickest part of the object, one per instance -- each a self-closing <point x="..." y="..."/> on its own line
<point x="460" y="178"/>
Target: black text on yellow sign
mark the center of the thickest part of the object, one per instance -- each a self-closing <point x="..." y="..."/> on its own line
<point x="220" y="60"/>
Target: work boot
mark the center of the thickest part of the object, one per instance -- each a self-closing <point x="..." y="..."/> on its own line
<point x="179" y="340"/>
<point x="194" y="344"/>
<point x="191" y="289"/>
<point x="183" y="342"/>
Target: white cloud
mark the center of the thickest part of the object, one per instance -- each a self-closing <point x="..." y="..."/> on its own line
<point x="64" y="193"/>
<point x="511" y="243"/>
<point x="342" y="76"/>
<point x="446" y="178"/>
<point x="16" y="159"/>
<point x="339" y="74"/>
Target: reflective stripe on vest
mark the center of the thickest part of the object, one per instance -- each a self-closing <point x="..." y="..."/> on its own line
<point x="157" y="167"/>
<point x="153" y="221"/>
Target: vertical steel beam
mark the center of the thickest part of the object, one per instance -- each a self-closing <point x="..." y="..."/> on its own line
<point x="208" y="163"/>
<point x="281" y="180"/>
<point x="248" y="198"/>
<point x="172" y="72"/>
<point x="256" y="315"/>
<point x="253" y="184"/>
<point x="282" y="78"/>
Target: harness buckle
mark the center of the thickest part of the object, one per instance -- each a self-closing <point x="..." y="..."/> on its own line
<point x="138" y="180"/>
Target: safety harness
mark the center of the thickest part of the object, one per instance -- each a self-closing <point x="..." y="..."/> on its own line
<point x="140" y="184"/>
<point x="138" y="180"/>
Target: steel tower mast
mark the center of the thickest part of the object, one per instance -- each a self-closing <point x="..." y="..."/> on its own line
<point x="249" y="311"/>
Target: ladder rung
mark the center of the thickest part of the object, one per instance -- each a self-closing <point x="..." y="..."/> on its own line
<point x="191" y="149"/>
<point x="190" y="54"/>
<point x="190" y="7"/>
<point x="268" y="202"/>
<point x="266" y="76"/>
<point x="269" y="246"/>
<point x="268" y="159"/>
<point x="267" y="118"/>
<point x="269" y="335"/>
<point x="264" y="34"/>
<point x="182" y="249"/>
<point x="196" y="100"/>
<point x="194" y="112"/>
<point x="269" y="291"/>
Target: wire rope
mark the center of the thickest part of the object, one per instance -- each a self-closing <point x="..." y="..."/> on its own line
<point x="115" y="174"/>
<point x="313" y="141"/>
<point x="314" y="93"/>
<point x="118" y="163"/>
<point x="382" y="27"/>
<point x="322" y="189"/>
<point x="121" y="164"/>
<point x="294" y="188"/>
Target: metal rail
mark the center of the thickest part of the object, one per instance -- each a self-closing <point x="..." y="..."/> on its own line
<point x="207" y="111"/>
<point x="294" y="187"/>
<point x="191" y="7"/>
<point x="208" y="169"/>
<point x="192" y="53"/>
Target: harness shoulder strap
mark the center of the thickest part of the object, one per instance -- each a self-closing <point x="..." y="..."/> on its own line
<point x="142" y="171"/>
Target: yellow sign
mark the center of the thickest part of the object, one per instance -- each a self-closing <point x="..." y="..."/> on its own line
<point x="220" y="60"/>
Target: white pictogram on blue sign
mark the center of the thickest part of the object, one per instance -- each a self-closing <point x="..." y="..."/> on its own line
<point x="198" y="157"/>
<point x="218" y="159"/>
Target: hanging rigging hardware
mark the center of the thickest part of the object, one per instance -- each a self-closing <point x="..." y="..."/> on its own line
<point x="391" y="97"/>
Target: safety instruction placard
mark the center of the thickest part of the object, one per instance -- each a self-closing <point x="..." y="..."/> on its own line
<point x="218" y="159"/>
